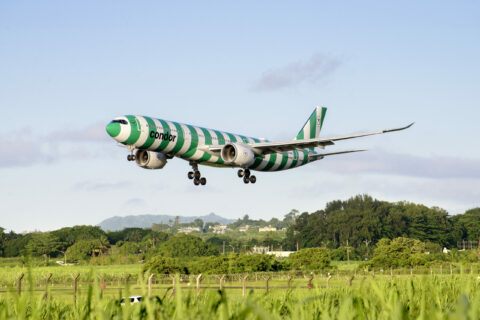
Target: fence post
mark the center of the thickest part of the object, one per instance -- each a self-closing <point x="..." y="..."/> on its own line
<point x="451" y="270"/>
<point x="47" y="280"/>
<point x="441" y="269"/>
<point x="19" y="283"/>
<point x="310" y="284"/>
<point x="127" y="279"/>
<point x="244" y="285"/>
<point x="199" y="278"/>
<point x="351" y="280"/>
<point x="288" y="281"/>
<point x="221" y="282"/>
<point x="75" y="283"/>
<point x="373" y="273"/>
<point x="266" y="285"/>
<point x="431" y="271"/>
<point x="102" y="284"/>
<point x="173" y="285"/>
<point x="150" y="284"/>
<point x="328" y="280"/>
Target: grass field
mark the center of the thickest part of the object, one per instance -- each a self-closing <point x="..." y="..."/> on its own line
<point x="445" y="296"/>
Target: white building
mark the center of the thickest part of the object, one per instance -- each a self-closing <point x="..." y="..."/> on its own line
<point x="243" y="229"/>
<point x="188" y="229"/>
<point x="280" y="254"/>
<point x="219" y="228"/>
<point x="260" y="249"/>
<point x="267" y="229"/>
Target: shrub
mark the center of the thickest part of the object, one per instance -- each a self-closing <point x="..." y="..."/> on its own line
<point x="164" y="265"/>
<point x="310" y="259"/>
<point x="399" y="252"/>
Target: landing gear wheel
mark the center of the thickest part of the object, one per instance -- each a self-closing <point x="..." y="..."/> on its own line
<point x="196" y="182"/>
<point x="246" y="179"/>
<point x="247" y="173"/>
<point x="133" y="157"/>
<point x="197" y="175"/>
<point x="240" y="173"/>
<point x="190" y="175"/>
<point x="129" y="157"/>
<point x="203" y="181"/>
<point x="253" y="179"/>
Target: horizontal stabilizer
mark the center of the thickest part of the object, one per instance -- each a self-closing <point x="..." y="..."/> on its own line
<point x="320" y="155"/>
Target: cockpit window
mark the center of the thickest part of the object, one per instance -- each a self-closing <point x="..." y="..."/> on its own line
<point x="120" y="121"/>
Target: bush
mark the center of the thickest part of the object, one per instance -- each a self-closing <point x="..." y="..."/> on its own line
<point x="164" y="265"/>
<point x="84" y="249"/>
<point x="184" y="246"/>
<point x="310" y="259"/>
<point x="399" y="252"/>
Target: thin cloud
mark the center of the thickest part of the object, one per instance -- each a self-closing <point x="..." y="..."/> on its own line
<point x="93" y="186"/>
<point x="22" y="148"/>
<point x="403" y="165"/>
<point x="19" y="150"/>
<point x="134" y="204"/>
<point x="92" y="133"/>
<point x="317" y="68"/>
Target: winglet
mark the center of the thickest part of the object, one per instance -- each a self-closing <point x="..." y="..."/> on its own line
<point x="399" y="129"/>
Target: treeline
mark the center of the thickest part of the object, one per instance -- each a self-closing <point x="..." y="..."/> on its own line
<point x="354" y="226"/>
<point x="361" y="221"/>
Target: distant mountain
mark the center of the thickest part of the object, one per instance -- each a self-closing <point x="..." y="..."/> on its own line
<point x="145" y="221"/>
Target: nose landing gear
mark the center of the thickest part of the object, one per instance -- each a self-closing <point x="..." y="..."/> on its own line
<point x="247" y="178"/>
<point x="196" y="176"/>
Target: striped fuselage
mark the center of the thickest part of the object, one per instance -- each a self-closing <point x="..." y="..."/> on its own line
<point x="191" y="143"/>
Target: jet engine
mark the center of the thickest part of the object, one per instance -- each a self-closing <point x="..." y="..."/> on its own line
<point x="238" y="155"/>
<point x="150" y="159"/>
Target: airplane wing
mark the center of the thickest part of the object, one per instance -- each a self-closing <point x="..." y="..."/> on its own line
<point x="262" y="148"/>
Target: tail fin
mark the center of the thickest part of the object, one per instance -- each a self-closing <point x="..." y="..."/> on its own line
<point x="311" y="128"/>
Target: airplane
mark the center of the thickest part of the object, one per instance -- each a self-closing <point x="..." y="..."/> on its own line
<point x="152" y="142"/>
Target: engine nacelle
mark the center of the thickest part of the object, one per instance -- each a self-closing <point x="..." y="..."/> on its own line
<point x="238" y="155"/>
<point x="150" y="159"/>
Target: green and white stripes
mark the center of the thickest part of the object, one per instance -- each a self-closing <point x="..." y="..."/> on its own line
<point x="313" y="125"/>
<point x="192" y="143"/>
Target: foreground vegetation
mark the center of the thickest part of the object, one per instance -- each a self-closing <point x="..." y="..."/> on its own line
<point x="382" y="297"/>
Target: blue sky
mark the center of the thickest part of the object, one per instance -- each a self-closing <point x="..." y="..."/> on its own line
<point x="254" y="68"/>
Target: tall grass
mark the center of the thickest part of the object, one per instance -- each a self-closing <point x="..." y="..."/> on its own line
<point x="382" y="297"/>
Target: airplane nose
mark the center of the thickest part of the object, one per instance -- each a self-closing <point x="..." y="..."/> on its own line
<point x="113" y="129"/>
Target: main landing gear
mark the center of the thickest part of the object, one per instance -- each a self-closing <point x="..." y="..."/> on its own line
<point x="131" y="156"/>
<point x="196" y="176"/>
<point x="245" y="174"/>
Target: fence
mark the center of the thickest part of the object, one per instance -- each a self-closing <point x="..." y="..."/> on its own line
<point x="265" y="281"/>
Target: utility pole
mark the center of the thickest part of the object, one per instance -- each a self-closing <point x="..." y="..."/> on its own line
<point x="348" y="253"/>
<point x="366" y="244"/>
